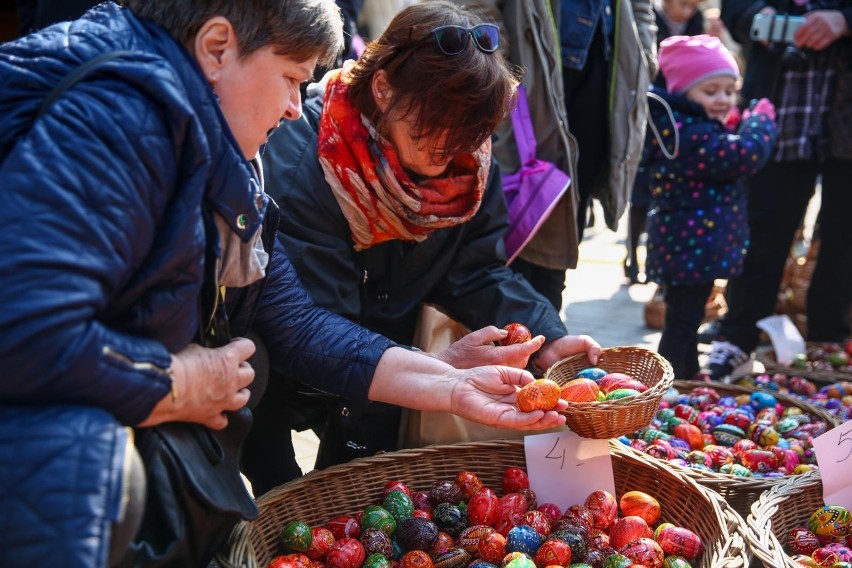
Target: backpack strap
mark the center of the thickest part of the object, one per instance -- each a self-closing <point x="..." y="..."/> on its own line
<point x="75" y="76"/>
<point x="523" y="128"/>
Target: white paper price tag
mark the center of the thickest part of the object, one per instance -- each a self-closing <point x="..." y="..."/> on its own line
<point x="786" y="339"/>
<point x="564" y="468"/>
<point x="834" y="457"/>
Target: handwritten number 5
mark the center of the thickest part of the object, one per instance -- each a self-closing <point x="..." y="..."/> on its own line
<point x="845" y="437"/>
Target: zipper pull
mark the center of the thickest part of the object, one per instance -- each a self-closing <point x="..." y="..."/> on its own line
<point x="363" y="277"/>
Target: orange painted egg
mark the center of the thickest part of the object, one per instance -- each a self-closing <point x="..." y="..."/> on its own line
<point x="492" y="547"/>
<point x="541" y="394"/>
<point x="627" y="529"/>
<point x="604" y="508"/>
<point x="831" y="520"/>
<point x="580" y="390"/>
<point x="640" y="504"/>
<point x="415" y="559"/>
<point x="680" y="541"/>
<point x="690" y="434"/>
<point x="518" y="333"/>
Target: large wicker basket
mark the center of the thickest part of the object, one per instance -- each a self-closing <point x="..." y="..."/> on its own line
<point x="741" y="492"/>
<point x="782" y="508"/>
<point x="610" y="419"/>
<point x="349" y="487"/>
<point x="766" y="355"/>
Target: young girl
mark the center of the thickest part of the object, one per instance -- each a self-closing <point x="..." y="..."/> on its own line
<point x="697" y="226"/>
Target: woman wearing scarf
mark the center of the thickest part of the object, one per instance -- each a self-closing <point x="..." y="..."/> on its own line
<point x="390" y="199"/>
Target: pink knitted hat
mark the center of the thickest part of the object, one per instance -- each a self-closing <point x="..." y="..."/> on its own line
<point x="687" y="60"/>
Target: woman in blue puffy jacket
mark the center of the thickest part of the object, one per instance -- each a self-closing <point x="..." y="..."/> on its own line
<point x="133" y="209"/>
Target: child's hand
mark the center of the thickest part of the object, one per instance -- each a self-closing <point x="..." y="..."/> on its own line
<point x="763" y="106"/>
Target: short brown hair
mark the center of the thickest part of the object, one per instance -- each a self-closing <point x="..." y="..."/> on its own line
<point x="300" y="29"/>
<point x="466" y="95"/>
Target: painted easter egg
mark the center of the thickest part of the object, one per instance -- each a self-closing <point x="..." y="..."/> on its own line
<point x="376" y="541"/>
<point x="691" y="434"/>
<point x="399" y="505"/>
<point x="604" y="508"/>
<point x="469" y="483"/>
<point x="482" y="564"/>
<point x="376" y="517"/>
<point x="618" y="394"/>
<point x="580" y="390"/>
<point x="593" y="373"/>
<point x="825" y="557"/>
<point x="763" y="434"/>
<point x="450" y="519"/>
<point x="728" y="434"/>
<point x="518" y="333"/>
<point x="614" y="381"/>
<point x="415" y="533"/>
<point x="617" y="561"/>
<point x="377" y="560"/>
<point x="598" y="539"/>
<point x="762" y="461"/>
<point x="514" y="478"/>
<point x="484" y="508"/>
<point x="346" y="553"/>
<point x="553" y="552"/>
<point x="442" y="543"/>
<point x="574" y="539"/>
<point x="802" y="541"/>
<point x="452" y="558"/>
<point x="518" y="560"/>
<point x="321" y="541"/>
<point x="523" y="538"/>
<point x="529" y="494"/>
<point x="831" y="520"/>
<point x="296" y="536"/>
<point x="538" y="521"/>
<point x="680" y="541"/>
<point x="541" y="394"/>
<point x="395" y="485"/>
<point x="675" y="561"/>
<point x="551" y="511"/>
<point x="762" y="399"/>
<point x="644" y="551"/>
<point x="581" y="515"/>
<point x="736" y="469"/>
<point x="445" y="491"/>
<point x="470" y="537"/>
<point x="344" y="526"/>
<point x="512" y="509"/>
<point x="415" y="559"/>
<point x="640" y="504"/>
<point x="627" y="529"/>
<point x="294" y="560"/>
<point x="492" y="548"/>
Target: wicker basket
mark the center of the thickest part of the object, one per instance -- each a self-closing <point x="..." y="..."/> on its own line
<point x="349" y="487"/>
<point x="610" y="419"/>
<point x="766" y="355"/>
<point x="782" y="508"/>
<point x="741" y="492"/>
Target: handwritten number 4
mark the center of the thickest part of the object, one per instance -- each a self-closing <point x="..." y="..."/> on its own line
<point x="845" y="437"/>
<point x="552" y="456"/>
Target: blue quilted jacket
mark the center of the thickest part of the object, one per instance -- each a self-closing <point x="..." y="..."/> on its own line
<point x="105" y="200"/>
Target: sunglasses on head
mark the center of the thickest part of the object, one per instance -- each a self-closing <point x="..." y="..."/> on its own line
<point x="452" y="39"/>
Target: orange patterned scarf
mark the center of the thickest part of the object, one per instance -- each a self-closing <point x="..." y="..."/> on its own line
<point x="377" y="197"/>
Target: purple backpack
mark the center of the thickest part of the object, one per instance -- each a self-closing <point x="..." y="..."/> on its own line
<point x="534" y="190"/>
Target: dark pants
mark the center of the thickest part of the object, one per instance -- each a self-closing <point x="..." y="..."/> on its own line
<point x="777" y="199"/>
<point x="684" y="312"/>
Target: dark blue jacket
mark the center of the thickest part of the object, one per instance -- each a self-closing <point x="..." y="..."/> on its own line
<point x="697" y="226"/>
<point x="106" y="200"/>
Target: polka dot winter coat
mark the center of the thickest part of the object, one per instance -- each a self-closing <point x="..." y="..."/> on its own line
<point x="697" y="221"/>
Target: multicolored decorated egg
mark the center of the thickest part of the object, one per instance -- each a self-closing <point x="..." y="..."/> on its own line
<point x="395" y="485"/>
<point x="761" y="461"/>
<point x="541" y="394"/>
<point x="604" y="508"/>
<point x="450" y="519"/>
<point x="296" y="536"/>
<point x="728" y="434"/>
<point x="455" y="557"/>
<point x="469" y="483"/>
<point x="627" y="529"/>
<point x="538" y="521"/>
<point x="376" y="517"/>
<point x="640" y="504"/>
<point x="763" y="434"/>
<point x="523" y="538"/>
<point x="399" y="505"/>
<point x="580" y="390"/>
<point x="581" y="515"/>
<point x="645" y="552"/>
<point x="470" y="537"/>
<point x="518" y="333"/>
<point x="345" y="553"/>
<point x="825" y="557"/>
<point x="377" y="560"/>
<point x="680" y="541"/>
<point x="551" y="511"/>
<point x="831" y="520"/>
<point x="415" y="533"/>
<point x="618" y="394"/>
<point x="442" y="543"/>
<point x="376" y="541"/>
<point x="553" y="552"/>
<point x="322" y="540"/>
<point x="492" y="548"/>
<point x="518" y="560"/>
<point x="802" y="541"/>
<point x="512" y="509"/>
<point x="617" y="561"/>
<point x="529" y="494"/>
<point x="676" y="561"/>
<point x="614" y="381"/>
<point x="445" y="491"/>
<point x="593" y="373"/>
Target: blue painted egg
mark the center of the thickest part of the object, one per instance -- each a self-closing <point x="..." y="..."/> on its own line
<point x="523" y="538"/>
<point x="593" y="373"/>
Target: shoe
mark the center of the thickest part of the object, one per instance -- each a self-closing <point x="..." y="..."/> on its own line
<point x="726" y="359"/>
<point x="708" y="332"/>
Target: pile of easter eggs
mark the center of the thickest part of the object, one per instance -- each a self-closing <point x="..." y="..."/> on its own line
<point x="835" y="398"/>
<point x="826" y="356"/>
<point x="825" y="541"/>
<point x="460" y="523"/>
<point x="594" y="384"/>
<point x="749" y="435"/>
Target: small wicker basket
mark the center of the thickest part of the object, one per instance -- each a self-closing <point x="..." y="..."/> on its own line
<point x="766" y="355"/>
<point x="741" y="492"/>
<point x="610" y="419"/>
<point x="349" y="487"/>
<point x="779" y="510"/>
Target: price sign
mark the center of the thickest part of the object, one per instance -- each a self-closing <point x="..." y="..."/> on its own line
<point x="786" y="340"/>
<point x="564" y="468"/>
<point x="834" y="457"/>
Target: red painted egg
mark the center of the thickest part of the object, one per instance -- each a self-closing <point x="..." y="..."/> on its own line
<point x="518" y="333"/>
<point x="760" y="461"/>
<point x="538" y="521"/>
<point x="484" y="508"/>
<point x="344" y="526"/>
<point x="553" y="552"/>
<point x="680" y="541"/>
<point x="825" y="557"/>
<point x="541" y="394"/>
<point x="492" y="548"/>
<point x="604" y="508"/>
<point x="640" y="504"/>
<point x="644" y="552"/>
<point x="321" y="542"/>
<point x="690" y="434"/>
<point x="598" y="539"/>
<point x="395" y="485"/>
<point x="346" y="553"/>
<point x="614" y="381"/>
<point x="514" y="478"/>
<point x="580" y="390"/>
<point x="551" y="511"/>
<point x="581" y="515"/>
<point x="802" y="541"/>
<point x="415" y="559"/>
<point x="627" y="529"/>
<point x="421" y="500"/>
<point x="742" y="446"/>
<point x="296" y="560"/>
<point x="470" y="537"/>
<point x="422" y="513"/>
<point x="469" y="483"/>
<point x="442" y="543"/>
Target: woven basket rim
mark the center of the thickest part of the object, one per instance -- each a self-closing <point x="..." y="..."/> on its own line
<point x="731" y="550"/>
<point x="760" y="535"/>
<point x="766" y="354"/>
